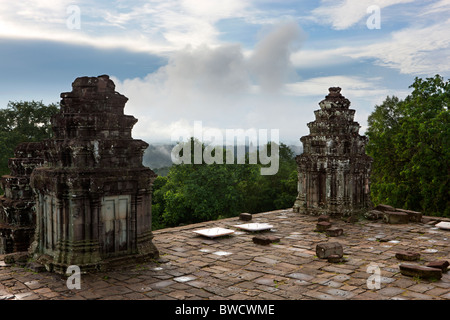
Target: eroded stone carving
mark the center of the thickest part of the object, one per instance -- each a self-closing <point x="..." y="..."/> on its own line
<point x="93" y="195"/>
<point x="17" y="217"/>
<point x="333" y="170"/>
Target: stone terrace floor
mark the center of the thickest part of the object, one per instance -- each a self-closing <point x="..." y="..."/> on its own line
<point x="233" y="267"/>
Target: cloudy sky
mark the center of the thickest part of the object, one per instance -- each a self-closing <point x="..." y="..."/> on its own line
<point x="231" y="64"/>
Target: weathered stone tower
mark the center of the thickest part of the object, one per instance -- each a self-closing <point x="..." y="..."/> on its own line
<point x="333" y="170"/>
<point x="93" y="195"/>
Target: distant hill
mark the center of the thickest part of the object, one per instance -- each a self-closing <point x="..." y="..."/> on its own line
<point x="158" y="156"/>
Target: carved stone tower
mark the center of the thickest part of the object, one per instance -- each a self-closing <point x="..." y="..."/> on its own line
<point x="333" y="170"/>
<point x="93" y="195"/>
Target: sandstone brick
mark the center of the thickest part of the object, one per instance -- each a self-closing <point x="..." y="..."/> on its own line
<point x="322" y="226"/>
<point x="326" y="249"/>
<point x="393" y="217"/>
<point x="413" y="216"/>
<point x="407" y="256"/>
<point x="323" y="217"/>
<point x="439" y="264"/>
<point x="420" y="271"/>
<point x="334" y="232"/>
<point x="265" y="240"/>
<point x="245" y="216"/>
<point x="334" y="258"/>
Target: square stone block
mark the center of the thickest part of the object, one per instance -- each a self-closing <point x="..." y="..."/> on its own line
<point x="326" y="249"/>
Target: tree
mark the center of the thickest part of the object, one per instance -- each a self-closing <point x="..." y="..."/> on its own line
<point x="278" y="191"/>
<point x="199" y="192"/>
<point x="23" y="122"/>
<point x="410" y="143"/>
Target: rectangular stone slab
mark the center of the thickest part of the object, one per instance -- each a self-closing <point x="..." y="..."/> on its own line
<point x="407" y="256"/>
<point x="265" y="240"/>
<point x="420" y="271"/>
<point x="414" y="216"/>
<point x="396" y="217"/>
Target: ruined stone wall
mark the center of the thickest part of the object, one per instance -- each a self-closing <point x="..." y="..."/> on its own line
<point x="17" y="216"/>
<point x="333" y="170"/>
<point x="93" y="195"/>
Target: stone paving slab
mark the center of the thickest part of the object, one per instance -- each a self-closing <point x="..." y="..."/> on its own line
<point x="233" y="267"/>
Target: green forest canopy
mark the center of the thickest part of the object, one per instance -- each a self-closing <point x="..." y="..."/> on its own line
<point x="409" y="141"/>
<point x="23" y="122"/>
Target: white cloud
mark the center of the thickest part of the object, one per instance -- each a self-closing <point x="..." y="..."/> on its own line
<point x="157" y="27"/>
<point x="270" y="61"/>
<point x="217" y="85"/>
<point x="342" y="14"/>
<point x="414" y="50"/>
<point x="312" y="58"/>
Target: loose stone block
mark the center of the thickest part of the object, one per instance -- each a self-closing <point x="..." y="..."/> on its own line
<point x="413" y="216"/>
<point x="334" y="258"/>
<point x="374" y="215"/>
<point x="420" y="271"/>
<point x="326" y="249"/>
<point x="323" y="217"/>
<point x="16" y="258"/>
<point x="322" y="226"/>
<point x="265" y="240"/>
<point x="334" y="232"/>
<point x="384" y="207"/>
<point x="245" y="216"/>
<point x="408" y="256"/>
<point x="439" y="264"/>
<point x="393" y="217"/>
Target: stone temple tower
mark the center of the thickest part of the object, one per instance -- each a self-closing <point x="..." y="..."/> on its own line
<point x="333" y="170"/>
<point x="93" y="195"/>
